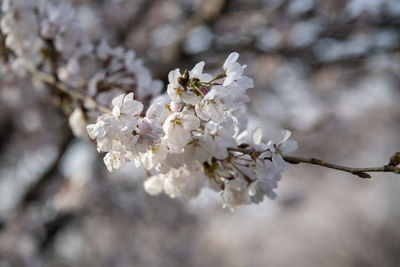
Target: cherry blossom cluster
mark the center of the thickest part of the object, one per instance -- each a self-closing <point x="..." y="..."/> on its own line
<point x="195" y="136"/>
<point x="44" y="35"/>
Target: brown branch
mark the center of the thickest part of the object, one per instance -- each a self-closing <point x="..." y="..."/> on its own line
<point x="62" y="87"/>
<point x="360" y="172"/>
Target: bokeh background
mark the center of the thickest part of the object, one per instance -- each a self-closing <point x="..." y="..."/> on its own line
<point x="329" y="71"/>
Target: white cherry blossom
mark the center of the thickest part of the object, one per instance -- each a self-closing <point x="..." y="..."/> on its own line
<point x="197" y="72"/>
<point x="278" y="146"/>
<point x="187" y="136"/>
<point x="235" y="194"/>
<point x="114" y="161"/>
<point x="176" y="182"/>
<point x="77" y="122"/>
<point x="175" y="89"/>
<point x="127" y="110"/>
<point x="178" y="127"/>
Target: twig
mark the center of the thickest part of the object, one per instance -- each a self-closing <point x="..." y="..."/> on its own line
<point x="49" y="79"/>
<point x="360" y="172"/>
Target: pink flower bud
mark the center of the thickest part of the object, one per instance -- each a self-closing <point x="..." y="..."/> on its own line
<point x="174" y="106"/>
<point x="204" y="90"/>
<point x="145" y="127"/>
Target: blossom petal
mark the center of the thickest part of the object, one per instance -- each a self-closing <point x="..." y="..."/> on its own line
<point x="257" y="135"/>
<point x="154" y="185"/>
<point x="233" y="57"/>
<point x="117" y="101"/>
<point x="197" y="70"/>
<point x="282" y="136"/>
<point x="289" y="146"/>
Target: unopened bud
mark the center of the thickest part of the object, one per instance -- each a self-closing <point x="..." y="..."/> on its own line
<point x="174" y="106"/>
<point x="395" y="159"/>
<point x="145" y="127"/>
<point x="204" y="90"/>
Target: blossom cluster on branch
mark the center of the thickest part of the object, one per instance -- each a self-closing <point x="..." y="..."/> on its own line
<point x="191" y="138"/>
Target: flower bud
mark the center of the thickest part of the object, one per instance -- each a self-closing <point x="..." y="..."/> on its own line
<point x="174" y="106"/>
<point x="145" y="127"/>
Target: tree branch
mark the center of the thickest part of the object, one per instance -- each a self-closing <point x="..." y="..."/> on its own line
<point x="360" y="172"/>
<point x="49" y="79"/>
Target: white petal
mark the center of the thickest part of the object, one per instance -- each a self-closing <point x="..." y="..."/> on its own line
<point x="282" y="136"/>
<point x="233" y="57"/>
<point x="190" y="98"/>
<point x="117" y="101"/>
<point x="202" y="112"/>
<point x="90" y="129"/>
<point x="253" y="188"/>
<point x="257" y="135"/>
<point x="289" y="146"/>
<point x="279" y="161"/>
<point x="170" y="189"/>
<point x="116" y="111"/>
<point x="197" y="70"/>
<point x="128" y="97"/>
<point x="154" y="185"/>
<point x="229" y="79"/>
<point x="173" y="76"/>
<point x="190" y="122"/>
<point x="246" y="82"/>
<point x="112" y="161"/>
<point x="132" y="107"/>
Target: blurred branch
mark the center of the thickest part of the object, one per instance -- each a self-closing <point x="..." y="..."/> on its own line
<point x="206" y="16"/>
<point x="36" y="189"/>
<point x="5" y="136"/>
<point x="134" y="21"/>
<point x="53" y="227"/>
<point x="62" y="87"/>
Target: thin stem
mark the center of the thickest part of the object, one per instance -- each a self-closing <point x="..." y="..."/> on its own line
<point x="49" y="79"/>
<point x="220" y="76"/>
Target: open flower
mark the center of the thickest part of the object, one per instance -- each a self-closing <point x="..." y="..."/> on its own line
<point x="127" y="110"/>
<point x="177" y="182"/>
<point x="178" y="127"/>
<point x="279" y="146"/>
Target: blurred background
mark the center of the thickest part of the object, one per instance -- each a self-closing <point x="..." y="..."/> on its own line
<point x="329" y="71"/>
